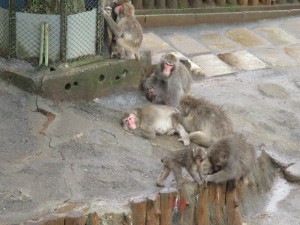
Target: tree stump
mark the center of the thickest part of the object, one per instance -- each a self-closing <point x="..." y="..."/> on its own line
<point x="92" y="219"/>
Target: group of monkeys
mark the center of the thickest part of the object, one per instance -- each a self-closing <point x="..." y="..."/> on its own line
<point x="173" y="110"/>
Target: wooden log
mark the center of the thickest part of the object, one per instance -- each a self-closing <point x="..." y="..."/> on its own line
<point x="202" y="207"/>
<point x="160" y="4"/>
<point x="233" y="213"/>
<point x="153" y="210"/>
<point x="182" y="4"/>
<point x="243" y="2"/>
<point x="92" y="219"/>
<point x="149" y="4"/>
<point x="139" y="209"/>
<point x="195" y="3"/>
<point x="75" y="218"/>
<point x="138" y="4"/>
<point x="172" y="4"/>
<point x="185" y="203"/>
<point x="220" y="2"/>
<point x="167" y="202"/>
<point x="253" y="2"/>
<point x="53" y="220"/>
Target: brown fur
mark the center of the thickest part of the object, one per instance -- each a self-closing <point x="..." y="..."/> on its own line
<point x="187" y="158"/>
<point x="205" y="121"/>
<point x="168" y="90"/>
<point x="231" y="158"/>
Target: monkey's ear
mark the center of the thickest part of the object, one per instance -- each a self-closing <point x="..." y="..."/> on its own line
<point x="135" y="112"/>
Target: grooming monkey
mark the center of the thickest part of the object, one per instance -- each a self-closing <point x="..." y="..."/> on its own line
<point x="205" y="121"/>
<point x="169" y="82"/>
<point x="231" y="158"/>
<point x="152" y="119"/>
<point x="127" y="30"/>
<point x="189" y="158"/>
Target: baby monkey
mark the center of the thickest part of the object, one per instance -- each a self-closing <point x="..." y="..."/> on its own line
<point x="190" y="158"/>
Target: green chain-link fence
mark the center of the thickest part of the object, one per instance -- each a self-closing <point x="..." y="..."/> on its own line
<point x="50" y="30"/>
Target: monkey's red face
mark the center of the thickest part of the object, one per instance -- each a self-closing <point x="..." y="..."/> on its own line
<point x="129" y="122"/>
<point x="119" y="8"/>
<point x="167" y="69"/>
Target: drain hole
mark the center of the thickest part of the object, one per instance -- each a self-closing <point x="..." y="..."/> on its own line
<point x="75" y="83"/>
<point x="101" y="77"/>
<point x="52" y="68"/>
<point x="117" y="78"/>
<point x="67" y="86"/>
<point x="124" y="73"/>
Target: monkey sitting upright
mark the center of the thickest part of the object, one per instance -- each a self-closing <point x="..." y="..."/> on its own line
<point x="169" y="82"/>
<point x="152" y="119"/>
<point x="189" y="158"/>
<point x="231" y="158"/>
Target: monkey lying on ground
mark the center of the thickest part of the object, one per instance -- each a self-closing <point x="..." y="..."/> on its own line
<point x="205" y="121"/>
<point x="170" y="80"/>
<point x="189" y="158"/>
<point x="127" y="30"/>
<point x="231" y="158"/>
<point x="152" y="119"/>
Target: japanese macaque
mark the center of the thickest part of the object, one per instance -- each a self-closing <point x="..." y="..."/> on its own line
<point x="205" y="121"/>
<point x="151" y="120"/>
<point x="127" y="30"/>
<point x="190" y="158"/>
<point x="231" y="158"/>
<point x="169" y="82"/>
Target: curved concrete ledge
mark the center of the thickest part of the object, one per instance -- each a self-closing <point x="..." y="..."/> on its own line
<point x="183" y="18"/>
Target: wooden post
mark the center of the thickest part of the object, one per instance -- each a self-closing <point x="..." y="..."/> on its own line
<point x="233" y="213"/>
<point x="138" y="4"/>
<point x="153" y="210"/>
<point x="139" y="209"/>
<point x="149" y="4"/>
<point x="243" y="2"/>
<point x="253" y="2"/>
<point x="220" y="2"/>
<point x="182" y="4"/>
<point x="172" y="4"/>
<point x="202" y="207"/>
<point x="160" y="4"/>
<point x="53" y="220"/>
<point x="167" y="202"/>
<point x="92" y="219"/>
<point x="195" y="3"/>
<point x="75" y="218"/>
<point x="266" y="2"/>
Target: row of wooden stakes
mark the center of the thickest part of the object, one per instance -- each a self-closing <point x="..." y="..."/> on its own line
<point x="214" y="204"/>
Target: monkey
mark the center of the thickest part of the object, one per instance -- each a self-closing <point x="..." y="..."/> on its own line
<point x="151" y="120"/>
<point x="127" y="30"/>
<point x="205" y="121"/>
<point x="169" y="82"/>
<point x="190" y="158"/>
<point x="231" y="159"/>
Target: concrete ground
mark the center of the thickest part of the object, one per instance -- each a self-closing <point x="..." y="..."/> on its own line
<point x="67" y="156"/>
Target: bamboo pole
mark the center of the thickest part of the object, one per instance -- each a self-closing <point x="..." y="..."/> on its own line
<point x="46" y="43"/>
<point x="42" y="44"/>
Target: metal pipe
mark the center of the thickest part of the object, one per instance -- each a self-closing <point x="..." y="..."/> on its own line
<point x="42" y="44"/>
<point x="46" y="43"/>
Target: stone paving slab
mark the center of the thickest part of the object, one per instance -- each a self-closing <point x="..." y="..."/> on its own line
<point x="294" y="52"/>
<point x="154" y="43"/>
<point x="243" y="60"/>
<point x="186" y="44"/>
<point x="274" y="57"/>
<point x="292" y="27"/>
<point x="277" y="36"/>
<point x="245" y="37"/>
<point x="219" y="43"/>
<point x="212" y="65"/>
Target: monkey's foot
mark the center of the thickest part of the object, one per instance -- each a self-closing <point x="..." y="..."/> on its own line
<point x="171" y="132"/>
<point x="185" y="140"/>
<point x="158" y="184"/>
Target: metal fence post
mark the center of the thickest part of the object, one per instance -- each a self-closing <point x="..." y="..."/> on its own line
<point x="12" y="30"/>
<point x="63" y="31"/>
<point x="100" y="27"/>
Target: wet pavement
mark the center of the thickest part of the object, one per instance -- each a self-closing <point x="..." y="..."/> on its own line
<point x="76" y="156"/>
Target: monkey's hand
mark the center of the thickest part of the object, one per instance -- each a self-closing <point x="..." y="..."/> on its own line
<point x="185" y="140"/>
<point x="105" y="14"/>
